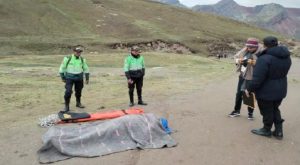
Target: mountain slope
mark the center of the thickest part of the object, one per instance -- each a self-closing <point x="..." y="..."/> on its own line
<point x="42" y="26"/>
<point x="228" y="8"/>
<point x="171" y="2"/>
<point x="270" y="16"/>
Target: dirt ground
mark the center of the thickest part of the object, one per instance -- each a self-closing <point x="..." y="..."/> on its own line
<point x="204" y="133"/>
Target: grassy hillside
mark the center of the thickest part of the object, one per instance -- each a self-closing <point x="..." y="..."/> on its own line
<point x="43" y="26"/>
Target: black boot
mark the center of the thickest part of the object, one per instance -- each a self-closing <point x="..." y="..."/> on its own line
<point x="262" y="132"/>
<point x="131" y="104"/>
<point x="140" y="102"/>
<point x="78" y="103"/>
<point x="278" y="133"/>
<point x="67" y="103"/>
<point x="67" y="108"/>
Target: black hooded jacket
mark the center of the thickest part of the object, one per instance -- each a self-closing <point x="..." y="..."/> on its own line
<point x="270" y="74"/>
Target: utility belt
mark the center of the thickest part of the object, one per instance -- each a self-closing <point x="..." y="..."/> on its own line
<point x="74" y="76"/>
<point x="136" y="73"/>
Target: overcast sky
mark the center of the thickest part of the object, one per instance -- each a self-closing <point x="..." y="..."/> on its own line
<point x="249" y="3"/>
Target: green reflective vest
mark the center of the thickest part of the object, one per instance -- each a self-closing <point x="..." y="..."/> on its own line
<point x="73" y="68"/>
<point x="133" y="64"/>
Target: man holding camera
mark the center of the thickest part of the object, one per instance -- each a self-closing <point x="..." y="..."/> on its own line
<point x="245" y="61"/>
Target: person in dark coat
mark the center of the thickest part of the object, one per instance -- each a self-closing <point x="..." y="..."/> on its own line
<point x="269" y="84"/>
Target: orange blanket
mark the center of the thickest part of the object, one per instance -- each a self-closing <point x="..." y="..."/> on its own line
<point x="106" y="115"/>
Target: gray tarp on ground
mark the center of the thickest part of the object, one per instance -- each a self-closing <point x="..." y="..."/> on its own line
<point x="103" y="137"/>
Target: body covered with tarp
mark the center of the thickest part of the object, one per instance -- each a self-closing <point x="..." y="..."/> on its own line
<point x="103" y="137"/>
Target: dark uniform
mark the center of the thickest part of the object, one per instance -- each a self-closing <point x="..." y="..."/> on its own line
<point x="72" y="70"/>
<point x="134" y="68"/>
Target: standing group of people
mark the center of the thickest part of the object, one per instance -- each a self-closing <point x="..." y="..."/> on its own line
<point x="74" y="68"/>
<point x="263" y="71"/>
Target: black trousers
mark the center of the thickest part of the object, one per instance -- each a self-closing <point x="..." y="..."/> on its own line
<point x="138" y="83"/>
<point x="239" y="97"/>
<point x="270" y="112"/>
<point x="78" y="88"/>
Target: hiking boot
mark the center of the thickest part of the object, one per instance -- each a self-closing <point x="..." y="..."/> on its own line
<point x="278" y="132"/>
<point x="234" y="114"/>
<point x="250" y="117"/>
<point x="79" y="105"/>
<point x="277" y="135"/>
<point x="262" y="132"/>
<point x="142" y="103"/>
<point x="67" y="108"/>
<point x="131" y="104"/>
<point x="67" y="103"/>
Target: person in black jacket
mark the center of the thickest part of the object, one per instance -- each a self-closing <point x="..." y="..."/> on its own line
<point x="269" y="83"/>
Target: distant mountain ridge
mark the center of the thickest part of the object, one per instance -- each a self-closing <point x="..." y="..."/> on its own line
<point x="270" y="16"/>
<point x="171" y="2"/>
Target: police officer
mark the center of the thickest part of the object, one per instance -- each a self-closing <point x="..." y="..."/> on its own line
<point x="72" y="71"/>
<point x="134" y="68"/>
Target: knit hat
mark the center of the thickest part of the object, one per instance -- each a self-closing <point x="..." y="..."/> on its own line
<point x="252" y="42"/>
<point x="270" y="41"/>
